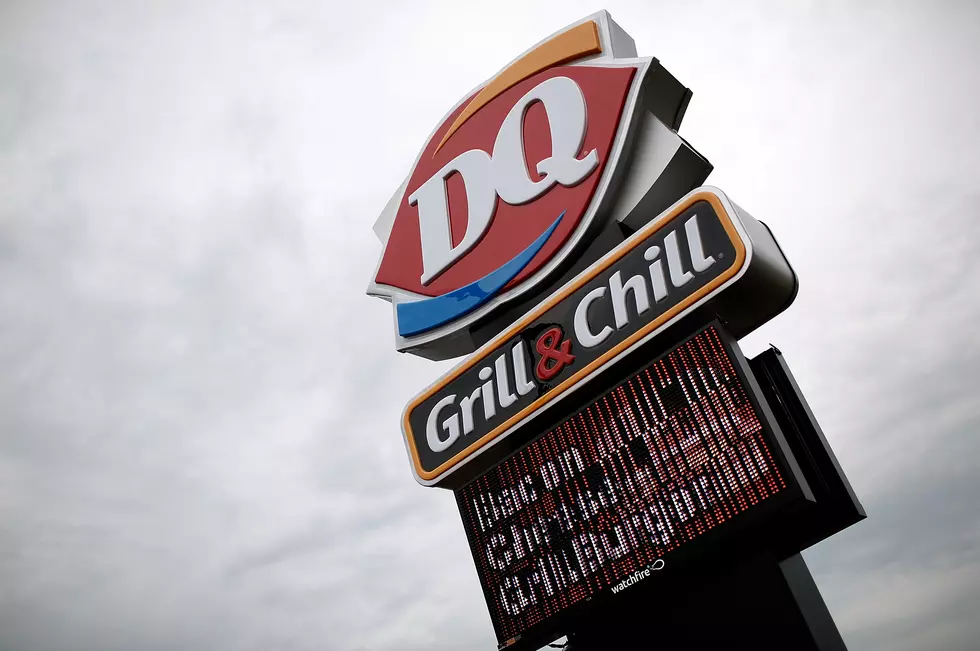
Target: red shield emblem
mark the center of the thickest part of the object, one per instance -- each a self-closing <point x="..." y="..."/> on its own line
<point x="508" y="184"/>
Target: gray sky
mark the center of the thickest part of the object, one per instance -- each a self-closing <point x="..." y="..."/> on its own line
<point x="199" y="442"/>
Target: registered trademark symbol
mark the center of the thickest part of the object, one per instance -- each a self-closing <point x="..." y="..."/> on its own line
<point x="721" y="256"/>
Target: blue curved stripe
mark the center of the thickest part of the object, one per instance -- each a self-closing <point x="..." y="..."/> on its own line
<point x="429" y="313"/>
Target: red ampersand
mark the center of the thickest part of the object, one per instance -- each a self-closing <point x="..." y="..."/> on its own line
<point x="555" y="354"/>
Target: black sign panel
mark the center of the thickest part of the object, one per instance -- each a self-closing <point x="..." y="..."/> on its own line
<point x="614" y="495"/>
<point x="639" y="287"/>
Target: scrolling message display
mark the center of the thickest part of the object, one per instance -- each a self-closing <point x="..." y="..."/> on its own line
<point x="593" y="505"/>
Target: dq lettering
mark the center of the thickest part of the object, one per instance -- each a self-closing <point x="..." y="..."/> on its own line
<point x="504" y="173"/>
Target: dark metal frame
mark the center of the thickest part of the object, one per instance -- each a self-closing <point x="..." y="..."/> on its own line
<point x="754" y="559"/>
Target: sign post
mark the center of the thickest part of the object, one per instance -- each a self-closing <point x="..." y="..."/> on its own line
<point x="623" y="473"/>
<point x="760" y="603"/>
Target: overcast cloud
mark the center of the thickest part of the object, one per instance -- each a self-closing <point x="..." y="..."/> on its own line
<point x="199" y="442"/>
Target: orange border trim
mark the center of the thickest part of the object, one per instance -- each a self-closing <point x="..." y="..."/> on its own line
<point x="574" y="44"/>
<point x="527" y="319"/>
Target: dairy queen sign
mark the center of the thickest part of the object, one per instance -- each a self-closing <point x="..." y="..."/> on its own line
<point x="602" y="424"/>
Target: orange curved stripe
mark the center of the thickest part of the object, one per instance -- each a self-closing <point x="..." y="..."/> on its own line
<point x="567" y="46"/>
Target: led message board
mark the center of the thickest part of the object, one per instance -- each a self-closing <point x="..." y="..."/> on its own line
<point x="608" y="498"/>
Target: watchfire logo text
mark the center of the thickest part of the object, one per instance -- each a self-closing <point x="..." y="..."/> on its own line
<point x="638" y="576"/>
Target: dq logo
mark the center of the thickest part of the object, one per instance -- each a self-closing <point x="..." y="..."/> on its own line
<point x="507" y="185"/>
